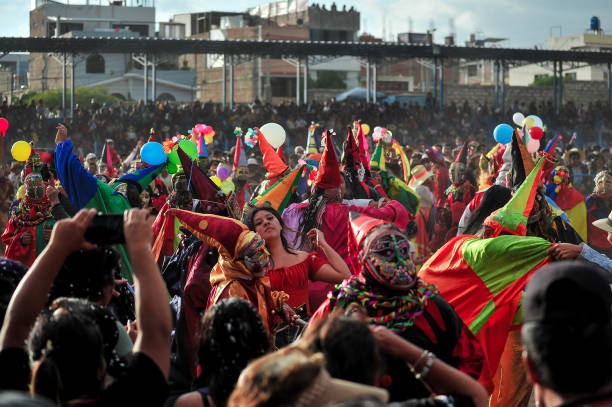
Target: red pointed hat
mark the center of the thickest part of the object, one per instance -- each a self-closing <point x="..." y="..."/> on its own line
<point x="239" y="155"/>
<point x="363" y="154"/>
<point x="328" y="176"/>
<point x="462" y="156"/>
<point x="203" y="187"/>
<point x="273" y="163"/>
<point x="226" y="234"/>
<point x="281" y="153"/>
<point x="361" y="225"/>
<point x="350" y="156"/>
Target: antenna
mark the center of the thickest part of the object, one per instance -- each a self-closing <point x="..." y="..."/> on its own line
<point x="451" y="26"/>
<point x="391" y="31"/>
<point x="410" y="25"/>
<point x="384" y="27"/>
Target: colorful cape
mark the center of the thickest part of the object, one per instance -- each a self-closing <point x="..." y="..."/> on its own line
<point x="398" y="190"/>
<point x="483" y="280"/>
<point x="85" y="191"/>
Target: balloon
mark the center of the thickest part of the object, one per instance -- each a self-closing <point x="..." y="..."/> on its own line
<point x="21" y="150"/>
<point x="529" y="122"/>
<point x="4" y="125"/>
<point x="152" y="153"/>
<point x="518" y="118"/>
<point x="189" y="148"/>
<point x="174" y="158"/>
<point x="222" y="173"/>
<point x="207" y="130"/>
<point x="365" y="128"/>
<point x="536" y="121"/>
<point x="536" y="133"/>
<point x="503" y="133"/>
<point x="533" y="145"/>
<point x="172" y="168"/>
<point x="200" y="128"/>
<point x="274" y="134"/>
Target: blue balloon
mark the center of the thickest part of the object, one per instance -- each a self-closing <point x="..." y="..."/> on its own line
<point x="152" y="153"/>
<point x="503" y="133"/>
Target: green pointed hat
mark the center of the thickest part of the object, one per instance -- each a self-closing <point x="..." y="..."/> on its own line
<point x="512" y="217"/>
<point x="279" y="194"/>
<point x="377" y="162"/>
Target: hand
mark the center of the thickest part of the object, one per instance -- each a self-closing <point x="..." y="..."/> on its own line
<point x="68" y="235"/>
<point x="132" y="330"/>
<point x="317" y="238"/>
<point x="53" y="195"/>
<point x="138" y="229"/>
<point x="62" y="134"/>
<point x="564" y="251"/>
<point x="287" y="313"/>
<point x="26" y="238"/>
<point x="118" y="283"/>
<point x="383" y="202"/>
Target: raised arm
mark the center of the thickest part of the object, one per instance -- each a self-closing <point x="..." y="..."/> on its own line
<point x="32" y="292"/>
<point x="78" y="183"/>
<point x="152" y="309"/>
<point x="337" y="269"/>
<point x="437" y="375"/>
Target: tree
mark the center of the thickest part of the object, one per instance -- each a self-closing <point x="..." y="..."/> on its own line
<point x="83" y="96"/>
<point x="542" y="81"/>
<point x="329" y="80"/>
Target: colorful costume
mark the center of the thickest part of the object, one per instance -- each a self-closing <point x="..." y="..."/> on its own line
<point x="354" y="170"/>
<point x="387" y="292"/>
<point x="461" y="191"/>
<point x="33" y="215"/>
<point x="599" y="205"/>
<point x="394" y="187"/>
<point x="483" y="278"/>
<point x="275" y="166"/>
<point x="241" y="172"/>
<point x="243" y="261"/>
<point x="568" y="199"/>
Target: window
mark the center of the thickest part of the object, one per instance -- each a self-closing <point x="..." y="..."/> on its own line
<point x="95" y="64"/>
<point x="141" y="29"/>
<point x="64" y="28"/>
<point x="472" y="70"/>
<point x="570" y="76"/>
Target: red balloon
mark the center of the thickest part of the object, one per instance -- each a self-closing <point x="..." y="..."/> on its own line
<point x="536" y="133"/>
<point x="4" y="125"/>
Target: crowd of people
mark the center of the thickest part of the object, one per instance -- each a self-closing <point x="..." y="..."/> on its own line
<point x="410" y="264"/>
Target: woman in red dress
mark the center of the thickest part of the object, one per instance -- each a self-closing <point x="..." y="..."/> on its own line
<point x="290" y="271"/>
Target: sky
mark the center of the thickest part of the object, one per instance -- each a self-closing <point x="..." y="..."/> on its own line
<point x="525" y="23"/>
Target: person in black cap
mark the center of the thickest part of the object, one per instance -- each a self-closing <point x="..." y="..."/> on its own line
<point x="567" y="335"/>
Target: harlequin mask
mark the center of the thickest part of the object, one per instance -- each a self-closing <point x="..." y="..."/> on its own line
<point x="255" y="255"/>
<point x="457" y="173"/>
<point x="387" y="259"/>
<point x="34" y="187"/>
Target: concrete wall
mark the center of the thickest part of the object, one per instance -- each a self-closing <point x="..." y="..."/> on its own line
<point x="579" y="92"/>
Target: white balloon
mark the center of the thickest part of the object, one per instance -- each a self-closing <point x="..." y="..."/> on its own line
<point x="518" y="118"/>
<point x="537" y="122"/>
<point x="274" y="134"/>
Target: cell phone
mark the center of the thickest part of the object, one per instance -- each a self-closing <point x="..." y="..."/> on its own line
<point x="106" y="230"/>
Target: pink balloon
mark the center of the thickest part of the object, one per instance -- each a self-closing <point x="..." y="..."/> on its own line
<point x="533" y="145"/>
<point x="200" y="128"/>
<point x="207" y="130"/>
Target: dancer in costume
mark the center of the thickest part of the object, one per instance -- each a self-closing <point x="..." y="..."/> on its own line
<point x="292" y="270"/>
<point x="599" y="205"/>
<point x="568" y="199"/>
<point x="242" y="265"/>
<point x="461" y="191"/>
<point x="240" y="174"/>
<point x="29" y="228"/>
<point x="326" y="212"/>
<point x="354" y="171"/>
<point x="387" y="292"/>
<point x="483" y="278"/>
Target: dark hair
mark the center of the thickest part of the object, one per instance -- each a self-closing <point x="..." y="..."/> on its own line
<point x="411" y="228"/>
<point x="337" y="338"/>
<point x="232" y="335"/>
<point x="316" y="203"/>
<point x="68" y="348"/>
<point x="251" y="215"/>
<point x="494" y="198"/>
<point x="85" y="274"/>
<point x="570" y="361"/>
<point x="133" y="196"/>
<point x="11" y="273"/>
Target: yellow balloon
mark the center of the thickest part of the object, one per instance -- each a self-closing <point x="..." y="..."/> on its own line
<point x="366" y="128"/>
<point x="21" y="150"/>
<point x="528" y="122"/>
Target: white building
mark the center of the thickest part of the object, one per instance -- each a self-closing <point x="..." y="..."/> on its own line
<point x="525" y="75"/>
